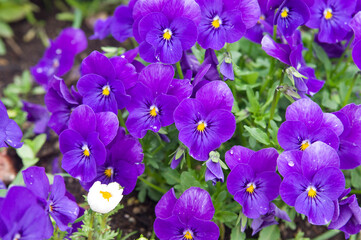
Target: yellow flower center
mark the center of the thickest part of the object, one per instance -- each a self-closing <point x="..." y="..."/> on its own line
<point x="327" y="13"/>
<point x="312" y="192"/>
<point x="106" y="90"/>
<point x="106" y="195"/>
<point x="50" y="208"/>
<point x="250" y="188"/>
<point x="284" y="12"/>
<point x="108" y="172"/>
<point x="188" y="235"/>
<point x="167" y="34"/>
<point x="201" y="126"/>
<point x="86" y="151"/>
<point x="305" y="144"/>
<point x="153" y="111"/>
<point x="217" y="22"/>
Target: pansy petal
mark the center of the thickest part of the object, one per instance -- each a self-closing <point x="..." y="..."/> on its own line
<point x="289" y="161"/>
<point x="253" y="206"/>
<point x="107" y="126"/>
<point x="269" y="184"/>
<point x="165" y="205"/>
<point x="306" y="111"/>
<point x="319" y="210"/>
<point x="292" y="186"/>
<point x="206" y="230"/>
<point x="264" y="160"/>
<point x="349" y="154"/>
<point x="239" y="177"/>
<point x="70" y="140"/>
<point x="332" y="122"/>
<point x="99" y="64"/>
<point x="238" y="154"/>
<point x="36" y="180"/>
<point x="318" y="156"/>
<point x="166" y="105"/>
<point x="331" y="181"/>
<point x="189" y="112"/>
<point x="157" y="77"/>
<point x="186" y="31"/>
<point x="169" y="52"/>
<point x="215" y="95"/>
<point x="83" y="120"/>
<point x="276" y="50"/>
<point x="291" y="134"/>
<point x="194" y="202"/>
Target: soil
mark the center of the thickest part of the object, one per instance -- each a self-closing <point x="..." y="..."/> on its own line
<point x="21" y="55"/>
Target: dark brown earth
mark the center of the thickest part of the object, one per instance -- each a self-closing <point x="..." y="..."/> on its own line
<point x="23" y="54"/>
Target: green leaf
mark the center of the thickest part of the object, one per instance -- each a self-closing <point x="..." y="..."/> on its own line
<point x="38" y="142"/>
<point x="356" y="178"/>
<point x="322" y="55"/>
<point x="171" y="176"/>
<point x="3" y="192"/>
<point x="10" y="11"/>
<point x="270" y="233"/>
<point x="226" y="216"/>
<point x="237" y="234"/>
<point x="65" y="16"/>
<point x="5" y="30"/>
<point x="25" y="152"/>
<point x="258" y="134"/>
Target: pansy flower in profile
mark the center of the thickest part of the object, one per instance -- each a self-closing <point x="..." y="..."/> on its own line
<point x="10" y="132"/>
<point x="165" y="29"/>
<point x="53" y="198"/>
<point x="22" y="217"/>
<point x="83" y="144"/>
<point x="350" y="139"/>
<point x="221" y="22"/>
<point x="290" y="15"/>
<point x="348" y="218"/>
<point x="102" y="28"/>
<point x="226" y="68"/>
<point x="60" y="102"/>
<point x="123" y="163"/>
<point x="100" y="84"/>
<point x="305" y="124"/>
<point x="263" y="25"/>
<point x="253" y="180"/>
<point x="332" y="17"/>
<point x="59" y="57"/>
<point x="151" y="105"/>
<point x="214" y="170"/>
<point x="37" y="114"/>
<point x="188" y="217"/>
<point x="292" y="55"/>
<point x="206" y="121"/>
<point x="313" y="186"/>
<point x="268" y="219"/>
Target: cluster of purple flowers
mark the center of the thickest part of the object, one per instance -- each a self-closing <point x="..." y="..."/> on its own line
<point x="25" y="211"/>
<point x="187" y="217"/>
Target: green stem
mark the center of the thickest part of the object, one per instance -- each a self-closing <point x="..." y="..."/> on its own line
<point x="179" y="70"/>
<point x="90" y="234"/>
<point x="276" y="97"/>
<point x="121" y="120"/>
<point x="353" y="191"/>
<point x="342" y="57"/>
<point x="104" y="222"/>
<point x="349" y="92"/>
<point x="155" y="187"/>
<point x="78" y="17"/>
<point x="189" y="163"/>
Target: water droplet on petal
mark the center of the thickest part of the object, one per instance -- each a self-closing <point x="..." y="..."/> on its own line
<point x="291" y="164"/>
<point x="231" y="152"/>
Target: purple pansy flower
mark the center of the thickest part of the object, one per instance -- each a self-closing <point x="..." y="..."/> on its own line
<point x="221" y="22"/>
<point x="205" y="122"/>
<point x="214" y="172"/>
<point x="10" y="132"/>
<point x="333" y="50"/>
<point x="314" y="185"/>
<point x="37" y="114"/>
<point x="350" y="139"/>
<point x="102" y="28"/>
<point x="227" y="68"/>
<point x="187" y="217"/>
<point x="177" y="157"/>
<point x="83" y="144"/>
<point x="290" y="15"/>
<point x="269" y="218"/>
<point x="253" y="180"/>
<point x="151" y="107"/>
<point x="59" y="57"/>
<point x="305" y="124"/>
<point x="122" y="24"/>
<point x="60" y="103"/>
<point x="355" y="24"/>
<point x="101" y="84"/>
<point x="264" y="24"/>
<point x="348" y="217"/>
<point x="332" y="18"/>
<point x="293" y="57"/>
<point x="123" y="163"/>
<point x="21" y="217"/>
<point x="55" y="202"/>
<point x="165" y="29"/>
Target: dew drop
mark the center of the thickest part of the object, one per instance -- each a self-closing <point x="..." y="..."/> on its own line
<point x="291" y="164"/>
<point x="231" y="152"/>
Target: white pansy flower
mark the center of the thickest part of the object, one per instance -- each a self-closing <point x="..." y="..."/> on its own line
<point x="103" y="198"/>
